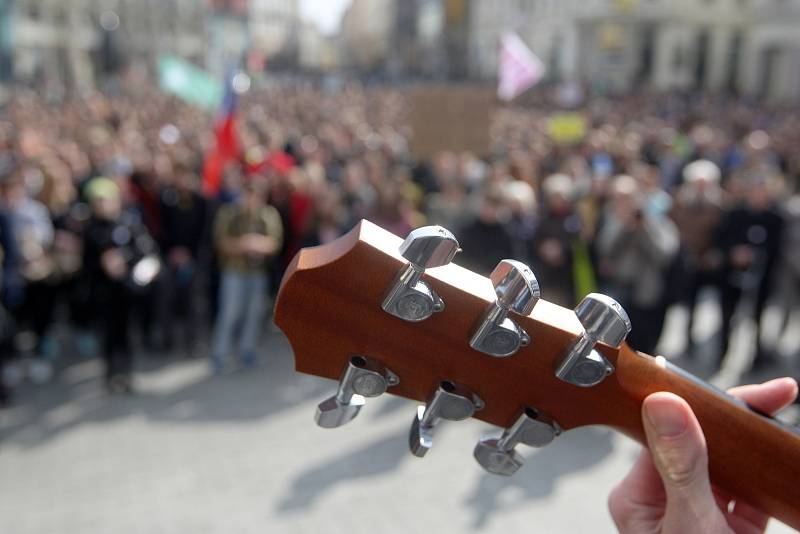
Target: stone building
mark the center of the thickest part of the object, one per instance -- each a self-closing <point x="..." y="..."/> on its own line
<point x="751" y="46"/>
<point x="64" y="43"/>
<point x="274" y="31"/>
<point x="366" y="37"/>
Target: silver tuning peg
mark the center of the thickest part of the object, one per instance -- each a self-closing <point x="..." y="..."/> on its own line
<point x="603" y="320"/>
<point x="450" y="401"/>
<point x="497" y="455"/>
<point x="362" y="377"/>
<point x="517" y="290"/>
<point x="409" y="298"/>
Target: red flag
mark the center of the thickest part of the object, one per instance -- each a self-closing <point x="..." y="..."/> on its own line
<point x="226" y="146"/>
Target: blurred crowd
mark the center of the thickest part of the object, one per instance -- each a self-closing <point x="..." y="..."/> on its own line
<point x="106" y="232"/>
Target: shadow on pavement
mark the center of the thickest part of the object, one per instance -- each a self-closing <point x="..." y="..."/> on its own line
<point x="76" y="396"/>
<point x="575" y="450"/>
<point x="371" y="460"/>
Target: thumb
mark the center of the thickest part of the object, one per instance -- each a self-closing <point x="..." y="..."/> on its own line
<point x="678" y="448"/>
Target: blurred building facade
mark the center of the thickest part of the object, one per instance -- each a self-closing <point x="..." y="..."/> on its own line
<point x="317" y="52"/>
<point x="274" y="29"/>
<point x="771" y="53"/>
<point x="751" y="46"/>
<point x="65" y="43"/>
<point x="6" y="41"/>
<point x="366" y="36"/>
<point x="413" y="38"/>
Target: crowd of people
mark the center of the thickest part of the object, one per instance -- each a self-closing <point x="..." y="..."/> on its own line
<point x="106" y="230"/>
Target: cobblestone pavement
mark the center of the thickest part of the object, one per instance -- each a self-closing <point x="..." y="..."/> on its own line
<point x="240" y="454"/>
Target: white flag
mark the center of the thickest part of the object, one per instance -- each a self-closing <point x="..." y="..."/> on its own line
<point x="518" y="69"/>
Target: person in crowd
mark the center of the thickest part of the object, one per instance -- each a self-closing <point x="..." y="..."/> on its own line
<point x="486" y="240"/>
<point x="7" y="268"/>
<point x="247" y="234"/>
<point x="445" y="206"/>
<point x="524" y="219"/>
<point x="117" y="257"/>
<point x="697" y="212"/>
<point x="392" y="211"/>
<point x="789" y="285"/>
<point x="552" y="244"/>
<point x="141" y="190"/>
<point x="32" y="232"/>
<point x="184" y="217"/>
<point x="635" y="247"/>
<point x="333" y="157"/>
<point x="59" y="195"/>
<point x="749" y="238"/>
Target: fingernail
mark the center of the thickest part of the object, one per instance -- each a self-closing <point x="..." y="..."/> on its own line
<point x="666" y="418"/>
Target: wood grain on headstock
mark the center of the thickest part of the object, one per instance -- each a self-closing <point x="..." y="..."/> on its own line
<point x="329" y="306"/>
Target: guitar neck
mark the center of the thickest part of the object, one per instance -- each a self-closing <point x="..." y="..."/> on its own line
<point x="754" y="456"/>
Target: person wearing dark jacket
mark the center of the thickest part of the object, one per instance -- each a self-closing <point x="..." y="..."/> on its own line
<point x="748" y="238"/>
<point x="119" y="259"/>
<point x="486" y="240"/>
<point x="558" y="229"/>
<point x="184" y="217"/>
<point x="9" y="254"/>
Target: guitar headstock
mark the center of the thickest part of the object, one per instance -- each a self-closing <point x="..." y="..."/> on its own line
<point x="339" y="307"/>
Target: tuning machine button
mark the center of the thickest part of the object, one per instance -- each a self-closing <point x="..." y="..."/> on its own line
<point x="532" y="428"/>
<point x="362" y="377"/>
<point x="603" y="320"/>
<point x="450" y="401"/>
<point x="409" y="298"/>
<point x="517" y="291"/>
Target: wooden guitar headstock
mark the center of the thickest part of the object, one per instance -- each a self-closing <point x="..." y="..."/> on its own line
<point x="329" y="306"/>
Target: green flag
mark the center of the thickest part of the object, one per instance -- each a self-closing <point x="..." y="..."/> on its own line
<point x="189" y="83"/>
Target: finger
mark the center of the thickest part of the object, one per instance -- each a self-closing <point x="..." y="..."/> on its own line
<point x="644" y="482"/>
<point x="642" y="485"/>
<point x="639" y="498"/>
<point x="768" y="397"/>
<point x="743" y="517"/>
<point x="679" y="453"/>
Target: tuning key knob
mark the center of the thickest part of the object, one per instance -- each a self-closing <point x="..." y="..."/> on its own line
<point x="362" y="377"/>
<point x="517" y="291"/>
<point x="532" y="428"/>
<point x="603" y="320"/>
<point x="409" y="298"/>
<point x="450" y="401"/>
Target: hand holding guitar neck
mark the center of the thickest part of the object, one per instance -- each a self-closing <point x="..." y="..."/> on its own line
<point x="675" y="465"/>
<point x="383" y="315"/>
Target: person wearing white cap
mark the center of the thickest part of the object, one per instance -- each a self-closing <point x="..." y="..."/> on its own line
<point x="697" y="210"/>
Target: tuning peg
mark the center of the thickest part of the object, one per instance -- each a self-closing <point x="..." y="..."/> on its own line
<point x="518" y="291"/>
<point x="362" y="377"/>
<point x="409" y="298"/>
<point x="603" y="320"/>
<point x="450" y="401"/>
<point x="532" y="428"/>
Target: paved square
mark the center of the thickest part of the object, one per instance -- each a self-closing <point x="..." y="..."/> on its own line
<point x="241" y="454"/>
